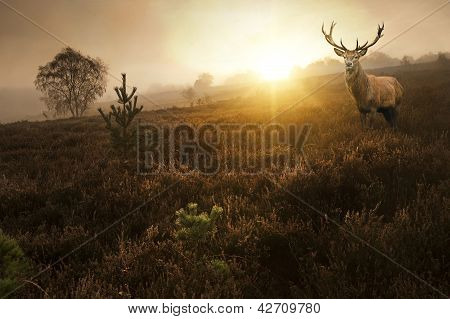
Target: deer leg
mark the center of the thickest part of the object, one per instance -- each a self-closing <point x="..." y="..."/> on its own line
<point x="394" y="118"/>
<point x="362" y="116"/>
<point x="387" y="115"/>
<point x="390" y="114"/>
<point x="371" y="117"/>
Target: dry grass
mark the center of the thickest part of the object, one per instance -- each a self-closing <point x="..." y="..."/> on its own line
<point x="60" y="185"/>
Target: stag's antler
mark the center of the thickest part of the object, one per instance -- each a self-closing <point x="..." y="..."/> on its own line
<point x="329" y="37"/>
<point x="365" y="46"/>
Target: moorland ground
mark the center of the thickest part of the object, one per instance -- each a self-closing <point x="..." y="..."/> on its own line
<point x="60" y="184"/>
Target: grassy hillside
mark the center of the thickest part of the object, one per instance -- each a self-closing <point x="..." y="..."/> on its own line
<point x="60" y="185"/>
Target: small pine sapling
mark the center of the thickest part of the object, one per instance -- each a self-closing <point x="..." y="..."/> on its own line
<point x="220" y="268"/>
<point x="121" y="138"/>
<point x="13" y="265"/>
<point x="196" y="227"/>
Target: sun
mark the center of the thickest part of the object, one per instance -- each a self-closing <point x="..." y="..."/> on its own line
<point x="274" y="66"/>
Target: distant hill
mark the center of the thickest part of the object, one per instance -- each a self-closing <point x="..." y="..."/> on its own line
<point x="242" y="78"/>
<point x="19" y="104"/>
<point x="375" y="60"/>
<point x="319" y="67"/>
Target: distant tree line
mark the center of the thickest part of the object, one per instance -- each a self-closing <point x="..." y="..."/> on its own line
<point x="375" y="60"/>
<point x="440" y="58"/>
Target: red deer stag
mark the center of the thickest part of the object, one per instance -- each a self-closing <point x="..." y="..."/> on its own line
<point x="371" y="93"/>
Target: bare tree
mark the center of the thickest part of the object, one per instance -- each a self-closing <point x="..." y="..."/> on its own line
<point x="406" y="60"/>
<point x="71" y="82"/>
<point x="203" y="82"/>
<point x="207" y="99"/>
<point x="189" y="94"/>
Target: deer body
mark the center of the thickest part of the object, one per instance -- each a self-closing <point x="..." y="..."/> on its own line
<point x="372" y="94"/>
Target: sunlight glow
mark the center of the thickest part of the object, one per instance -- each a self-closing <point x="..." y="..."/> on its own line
<point x="274" y="66"/>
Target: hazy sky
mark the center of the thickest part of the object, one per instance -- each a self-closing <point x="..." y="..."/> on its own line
<point x="172" y="41"/>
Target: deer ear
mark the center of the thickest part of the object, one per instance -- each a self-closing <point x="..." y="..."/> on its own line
<point x="339" y="52"/>
<point x="362" y="52"/>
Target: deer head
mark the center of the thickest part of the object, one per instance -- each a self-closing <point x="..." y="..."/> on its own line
<point x="351" y="57"/>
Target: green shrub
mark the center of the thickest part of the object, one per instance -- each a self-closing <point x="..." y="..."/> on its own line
<point x="196" y="227"/>
<point x="12" y="264"/>
<point x="220" y="268"/>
